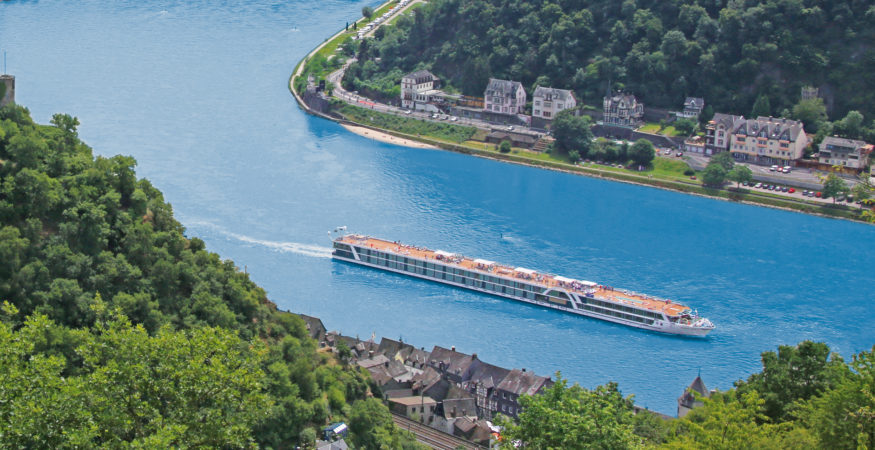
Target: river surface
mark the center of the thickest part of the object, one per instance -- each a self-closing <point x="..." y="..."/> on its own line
<point x="197" y="93"/>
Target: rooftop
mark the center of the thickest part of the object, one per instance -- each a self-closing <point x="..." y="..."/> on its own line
<point x="414" y="400"/>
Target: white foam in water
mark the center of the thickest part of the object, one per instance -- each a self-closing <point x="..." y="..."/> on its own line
<point x="316" y="251"/>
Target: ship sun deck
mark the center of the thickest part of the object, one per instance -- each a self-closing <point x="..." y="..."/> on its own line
<point x="532" y="277"/>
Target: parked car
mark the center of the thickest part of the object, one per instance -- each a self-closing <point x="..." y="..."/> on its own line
<point x="785" y="189"/>
<point x="758" y="185"/>
<point x="667" y="152"/>
<point x="786" y="169"/>
<point x="408" y="111"/>
<point x="744" y="183"/>
<point x="818" y="194"/>
<point x="679" y="154"/>
<point x="791" y="190"/>
<point x="510" y="128"/>
<point x="692" y="177"/>
<point x="773" y="168"/>
<point x="454" y="118"/>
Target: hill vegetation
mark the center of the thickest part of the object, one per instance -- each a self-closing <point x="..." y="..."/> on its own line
<point x="118" y="330"/>
<point x="729" y="52"/>
<point x="805" y="397"/>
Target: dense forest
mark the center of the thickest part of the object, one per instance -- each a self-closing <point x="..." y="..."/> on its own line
<point x="117" y="330"/>
<point x="805" y="397"/>
<point x="730" y="52"/>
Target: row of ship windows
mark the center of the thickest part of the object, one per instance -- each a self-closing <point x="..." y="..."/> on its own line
<point x="622" y="308"/>
<point x="449" y="270"/>
<point x="607" y="312"/>
<point x="497" y="288"/>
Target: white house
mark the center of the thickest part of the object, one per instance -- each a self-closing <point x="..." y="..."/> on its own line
<point x="417" y="88"/>
<point x="547" y="102"/>
<point x="504" y="97"/>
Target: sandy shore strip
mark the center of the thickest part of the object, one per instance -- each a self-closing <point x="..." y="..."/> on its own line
<point x="384" y="137"/>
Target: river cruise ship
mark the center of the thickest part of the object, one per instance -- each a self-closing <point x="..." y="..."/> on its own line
<point x="552" y="291"/>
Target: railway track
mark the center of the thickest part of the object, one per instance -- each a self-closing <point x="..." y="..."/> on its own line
<point x="431" y="437"/>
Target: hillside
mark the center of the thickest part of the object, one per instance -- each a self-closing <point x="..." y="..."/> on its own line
<point x="118" y="330"/>
<point x="729" y="52"/>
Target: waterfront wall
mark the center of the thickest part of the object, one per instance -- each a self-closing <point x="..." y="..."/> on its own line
<point x="9" y="93"/>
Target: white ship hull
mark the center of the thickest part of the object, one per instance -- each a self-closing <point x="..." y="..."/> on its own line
<point x="663" y="326"/>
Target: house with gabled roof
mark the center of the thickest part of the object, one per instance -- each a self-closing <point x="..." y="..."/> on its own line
<point x="418" y="89"/>
<point x="718" y="130"/>
<point x="687" y="401"/>
<point x="846" y="153"/>
<point x="547" y="102"/>
<point x="768" y="140"/>
<point x="518" y="382"/>
<point x="622" y="110"/>
<point x="693" y="107"/>
<point x="504" y="97"/>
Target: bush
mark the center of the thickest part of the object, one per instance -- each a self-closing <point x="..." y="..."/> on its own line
<point x="689" y="172"/>
<point x="504" y="147"/>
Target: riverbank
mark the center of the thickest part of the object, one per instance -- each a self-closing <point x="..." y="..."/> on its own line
<point x="516" y="157"/>
<point x="385" y="137"/>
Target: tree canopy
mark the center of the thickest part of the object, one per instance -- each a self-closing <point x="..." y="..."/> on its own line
<point x="730" y="53"/>
<point x="122" y="331"/>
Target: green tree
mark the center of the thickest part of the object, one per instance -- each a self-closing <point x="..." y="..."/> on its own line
<point x="504" y="147"/>
<point x="642" y="152"/>
<point x="724" y="160"/>
<point x="833" y="185"/>
<point x="367" y="12"/>
<point x="685" y="126"/>
<point x="740" y="174"/>
<point x="566" y="417"/>
<point x="197" y="388"/>
<point x="851" y="126"/>
<point x="844" y="417"/>
<point x="861" y="191"/>
<point x="714" y="175"/>
<point x="727" y="421"/>
<point x="762" y="106"/>
<point x="812" y="113"/>
<point x="572" y="132"/>
<point x="793" y="374"/>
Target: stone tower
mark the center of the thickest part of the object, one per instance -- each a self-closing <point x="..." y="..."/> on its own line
<point x="9" y="94"/>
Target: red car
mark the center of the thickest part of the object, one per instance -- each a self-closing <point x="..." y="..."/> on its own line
<point x="818" y="194"/>
<point x="792" y="190"/>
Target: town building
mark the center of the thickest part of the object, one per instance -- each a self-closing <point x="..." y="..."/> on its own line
<point x="516" y="383"/>
<point x="415" y="407"/>
<point x="547" y="102"/>
<point x="687" y="401"/>
<point x="717" y="132"/>
<point x="623" y="110"/>
<point x="848" y="153"/>
<point x="692" y="108"/>
<point x="694" y="144"/>
<point x="418" y="89"/>
<point x="504" y="97"/>
<point x="768" y="140"/>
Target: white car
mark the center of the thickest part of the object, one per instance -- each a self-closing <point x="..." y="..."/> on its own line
<point x="454" y="118"/>
<point x="408" y="111"/>
<point x="773" y="168"/>
<point x="787" y="169"/>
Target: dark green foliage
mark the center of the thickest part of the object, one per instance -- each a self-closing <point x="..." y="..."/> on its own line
<point x="730" y="53"/>
<point x="761" y="107"/>
<point x="572" y="132"/>
<point x="504" y="147"/>
<point x="642" y="152"/>
<point x="685" y="127"/>
<point x="714" y="175"/>
<point x="367" y="12"/>
<point x="75" y="229"/>
<point x="566" y="417"/>
<point x="795" y="373"/>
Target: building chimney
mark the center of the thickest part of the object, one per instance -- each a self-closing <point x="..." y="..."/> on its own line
<point x="524" y="369"/>
<point x="453" y="348"/>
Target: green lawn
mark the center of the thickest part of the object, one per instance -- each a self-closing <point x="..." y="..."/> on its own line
<point x="656" y="128"/>
<point x="443" y="131"/>
<point x="650" y="128"/>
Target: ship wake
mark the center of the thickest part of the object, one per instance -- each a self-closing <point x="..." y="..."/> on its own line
<point x="315" y="251"/>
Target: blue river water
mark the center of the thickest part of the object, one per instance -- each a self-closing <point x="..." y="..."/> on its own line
<point x="196" y="92"/>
